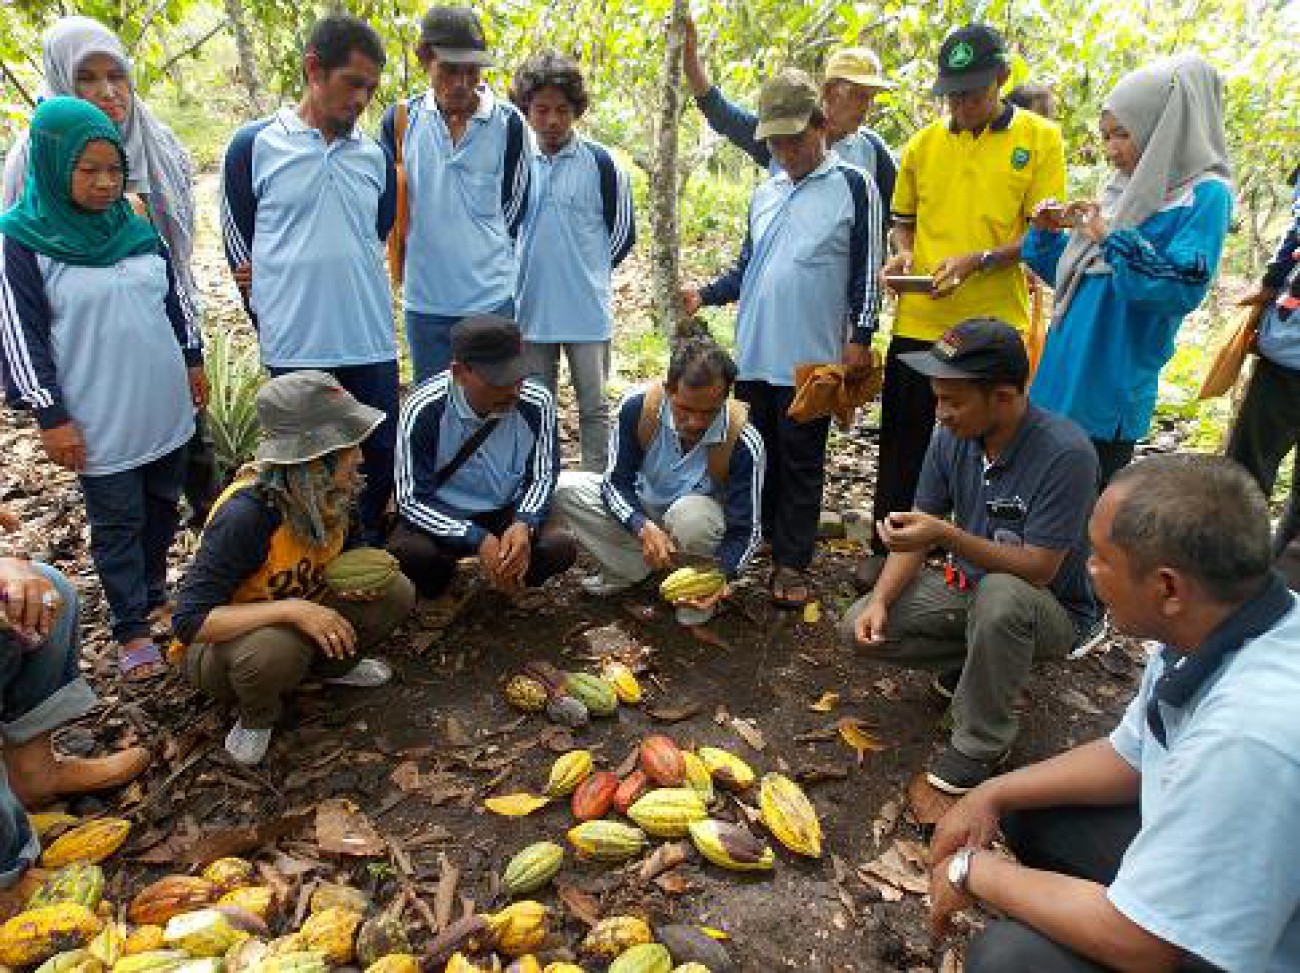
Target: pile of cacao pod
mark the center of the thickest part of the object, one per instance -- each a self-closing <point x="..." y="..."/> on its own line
<point x="572" y="698"/>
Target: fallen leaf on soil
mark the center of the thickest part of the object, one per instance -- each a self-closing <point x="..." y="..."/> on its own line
<point x="887" y="687"/>
<point x="825" y="703"/>
<point x="928" y="804"/>
<point x="343" y="829"/>
<point x="446" y="894"/>
<point x="584" y="906"/>
<point x="673" y="883"/>
<point x="406" y="776"/>
<point x="232" y="842"/>
<point x="821" y="773"/>
<point x="665" y="857"/>
<point x="812" y="612"/>
<point x="748" y="731"/>
<point x="885" y="822"/>
<point x="721" y="715"/>
<point x="675" y="714"/>
<point x="456" y="735"/>
<point x="854" y="733"/>
<point x="895" y="868"/>
<point x="515" y="805"/>
<point x="557" y="739"/>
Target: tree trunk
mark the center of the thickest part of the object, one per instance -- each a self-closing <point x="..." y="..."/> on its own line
<point x="247" y="55"/>
<point x="664" y="243"/>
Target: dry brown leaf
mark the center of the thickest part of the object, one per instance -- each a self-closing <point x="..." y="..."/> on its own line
<point x="748" y="731"/>
<point x="406" y="776"/>
<point x="825" y="703"/>
<point x="673" y="883"/>
<point x="666" y="857"/>
<point x="343" y="829"/>
<point x="446" y="894"/>
<point x="515" y="805"/>
<point x="896" y="869"/>
<point x="674" y="714"/>
<point x="854" y="732"/>
<point x="583" y="905"/>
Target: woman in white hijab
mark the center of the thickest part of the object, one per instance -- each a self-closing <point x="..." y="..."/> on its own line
<point x="1128" y="268"/>
<point x="86" y="60"/>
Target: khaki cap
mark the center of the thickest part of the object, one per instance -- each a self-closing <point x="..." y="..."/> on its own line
<point x="860" y="65"/>
<point x="786" y="104"/>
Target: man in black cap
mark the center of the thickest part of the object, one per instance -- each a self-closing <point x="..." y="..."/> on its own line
<point x="463" y="158"/>
<point x="1019" y="484"/>
<point x="477" y="460"/>
<point x="965" y="190"/>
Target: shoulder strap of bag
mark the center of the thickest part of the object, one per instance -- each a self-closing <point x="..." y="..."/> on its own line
<point x="720" y="453"/>
<point x="648" y="425"/>
<point x="400" y="121"/>
<point x="467" y="449"/>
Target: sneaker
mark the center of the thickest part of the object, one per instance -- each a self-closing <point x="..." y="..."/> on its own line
<point x="944" y="684"/>
<point x="955" y="773"/>
<point x="867" y="572"/>
<point x="366" y="674"/>
<point x="598" y="586"/>
<point x="245" y="746"/>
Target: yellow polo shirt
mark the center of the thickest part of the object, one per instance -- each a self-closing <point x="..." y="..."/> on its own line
<point x="965" y="193"/>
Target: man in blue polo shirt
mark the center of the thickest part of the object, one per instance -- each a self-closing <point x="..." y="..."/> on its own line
<point x="477" y="458"/>
<point x="1169" y="845"/>
<point x="307" y="202"/>
<point x="465" y="157"/>
<point x="808" y="290"/>
<point x="686" y="478"/>
<point x="1019" y="484"/>
<point x="579" y="227"/>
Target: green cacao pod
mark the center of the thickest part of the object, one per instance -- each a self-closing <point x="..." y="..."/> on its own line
<point x="595" y="693"/>
<point x="607" y="841"/>
<point x="645" y="958"/>
<point x="360" y="572"/>
<point x="79" y="882"/>
<point x="667" y="812"/>
<point x="533" y="867"/>
<point x="380" y="936"/>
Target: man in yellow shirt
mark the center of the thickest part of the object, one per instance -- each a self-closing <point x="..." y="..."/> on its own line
<point x="966" y="187"/>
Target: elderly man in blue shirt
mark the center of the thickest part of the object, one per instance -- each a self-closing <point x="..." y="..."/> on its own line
<point x="1169" y="845"/>
<point x="807" y="283"/>
<point x="578" y="228"/>
<point x="477" y="460"/>
<point x="464" y="153"/>
<point x="307" y="202"/>
<point x="685" y="478"/>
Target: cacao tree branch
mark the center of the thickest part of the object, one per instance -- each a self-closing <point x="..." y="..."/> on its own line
<point x="13" y="80"/>
<point x="171" y="61"/>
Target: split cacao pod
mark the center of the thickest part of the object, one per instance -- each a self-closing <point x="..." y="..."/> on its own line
<point x="615" y="935"/>
<point x="789" y="815"/>
<point x="662" y="761"/>
<point x="203" y="933"/>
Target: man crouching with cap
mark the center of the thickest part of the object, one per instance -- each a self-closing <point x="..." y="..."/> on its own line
<point x="1019" y="484"/>
<point x="477" y="460"/>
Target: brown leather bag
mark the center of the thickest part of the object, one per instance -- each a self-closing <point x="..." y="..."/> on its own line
<point x="402" y="216"/>
<point x="1231" y="356"/>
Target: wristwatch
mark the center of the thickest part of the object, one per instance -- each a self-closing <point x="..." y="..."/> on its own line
<point x="959" y="868"/>
<point x="986" y="259"/>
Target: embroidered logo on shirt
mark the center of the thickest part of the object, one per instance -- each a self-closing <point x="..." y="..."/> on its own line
<point x="960" y="56"/>
<point x="1019" y="158"/>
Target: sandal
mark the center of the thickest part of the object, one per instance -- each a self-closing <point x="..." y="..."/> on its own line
<point x="142" y="663"/>
<point x="785" y="579"/>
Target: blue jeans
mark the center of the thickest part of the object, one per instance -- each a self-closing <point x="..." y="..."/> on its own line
<point x="375" y="385"/>
<point x="133" y="517"/>
<point x="41" y="689"/>
<point x="428" y="336"/>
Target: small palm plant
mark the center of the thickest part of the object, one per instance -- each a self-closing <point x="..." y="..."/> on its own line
<point x="234" y="376"/>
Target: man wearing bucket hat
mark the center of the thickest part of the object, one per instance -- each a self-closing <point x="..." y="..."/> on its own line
<point x="808" y="294"/>
<point x="966" y="188"/>
<point x="463" y="156"/>
<point x="254" y="615"/>
<point x="477" y="460"/>
<point x="1018" y="483"/>
<point x="853" y="79"/>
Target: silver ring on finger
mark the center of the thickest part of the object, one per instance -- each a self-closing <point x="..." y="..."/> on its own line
<point x="50" y="599"/>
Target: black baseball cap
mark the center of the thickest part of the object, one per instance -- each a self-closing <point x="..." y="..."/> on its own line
<point x="970" y="59"/>
<point x="492" y="346"/>
<point x="977" y="349"/>
<point x="455" y="35"/>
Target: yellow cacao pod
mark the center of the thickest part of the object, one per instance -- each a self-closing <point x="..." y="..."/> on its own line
<point x="691" y="583"/>
<point x="110" y="945"/>
<point x="615" y="935"/>
<point x="152" y="961"/>
<point x="37" y="934"/>
<point x="331" y="896"/>
<point x="257" y="899"/>
<point x="698" y="777"/>
<point x="533" y="867"/>
<point x="171" y="896"/>
<point x="645" y="958"/>
<point x="229" y="873"/>
<point x="143" y="939"/>
<point x="731" y="846"/>
<point x="626" y="686"/>
<point x="568" y="771"/>
<point x="395" y="963"/>
<point x="283" y="946"/>
<point x="73" y="961"/>
<point x="300" y="962"/>
<point x="78" y="882"/>
<point x="667" y="812"/>
<point x="332" y="933"/>
<point x="91" y="842"/>
<point x="789" y="815"/>
<point x="200" y="934"/>
<point x="607" y="841"/>
<point x="460" y="963"/>
<point x="48" y="825"/>
<point x="727" y="769"/>
<point x="519" y="928"/>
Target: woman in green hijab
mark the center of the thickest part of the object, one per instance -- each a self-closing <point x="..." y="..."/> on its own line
<point x="96" y="342"/>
